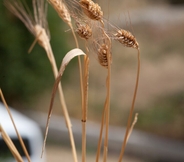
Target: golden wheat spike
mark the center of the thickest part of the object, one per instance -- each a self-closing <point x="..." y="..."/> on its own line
<point x="91" y="9"/>
<point x="61" y="9"/>
<point x="83" y="30"/>
<point x="126" y="38"/>
<point x="102" y="55"/>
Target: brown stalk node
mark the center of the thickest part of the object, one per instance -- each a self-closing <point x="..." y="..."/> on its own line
<point x="91" y="9"/>
<point x="102" y="55"/>
<point x="126" y="38"/>
<point x="83" y="30"/>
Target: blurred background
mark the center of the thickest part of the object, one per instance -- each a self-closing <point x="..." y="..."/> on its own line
<point x="26" y="79"/>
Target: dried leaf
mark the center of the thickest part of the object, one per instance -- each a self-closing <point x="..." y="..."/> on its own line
<point x="68" y="57"/>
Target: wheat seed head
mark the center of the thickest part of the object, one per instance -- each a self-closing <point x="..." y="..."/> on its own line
<point x="61" y="9"/>
<point x="91" y="9"/>
<point x="126" y="38"/>
<point x="102" y="55"/>
<point x="83" y="30"/>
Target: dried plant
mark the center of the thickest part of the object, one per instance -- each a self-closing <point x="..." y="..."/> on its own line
<point x="127" y="39"/>
<point x="37" y="25"/>
<point x="8" y="140"/>
<point x="90" y="31"/>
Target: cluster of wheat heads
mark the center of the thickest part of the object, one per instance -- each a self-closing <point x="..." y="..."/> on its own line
<point x="84" y="18"/>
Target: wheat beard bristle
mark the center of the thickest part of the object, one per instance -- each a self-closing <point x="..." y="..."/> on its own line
<point x="126" y="38"/>
<point x="91" y="9"/>
<point x="83" y="30"/>
<point x="102" y="55"/>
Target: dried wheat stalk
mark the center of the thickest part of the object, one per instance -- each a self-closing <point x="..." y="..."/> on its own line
<point x="37" y="25"/>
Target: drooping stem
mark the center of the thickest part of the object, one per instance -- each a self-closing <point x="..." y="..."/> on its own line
<point x="63" y="103"/>
<point x="131" y="110"/>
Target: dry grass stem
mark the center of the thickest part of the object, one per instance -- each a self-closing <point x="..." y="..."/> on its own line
<point x="91" y="9"/>
<point x="37" y="25"/>
<point x="93" y="32"/>
<point x="131" y="109"/>
<point x="10" y="145"/>
<point x="85" y="106"/>
<point x="132" y="126"/>
<point x="14" y="125"/>
<point x="106" y="52"/>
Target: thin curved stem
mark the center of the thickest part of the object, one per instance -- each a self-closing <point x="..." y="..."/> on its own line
<point x="131" y="110"/>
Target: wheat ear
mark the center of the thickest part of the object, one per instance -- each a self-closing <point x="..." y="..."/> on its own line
<point x="126" y="38"/>
<point x="91" y="9"/>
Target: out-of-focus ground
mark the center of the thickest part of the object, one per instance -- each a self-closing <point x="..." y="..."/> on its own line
<point x="58" y="153"/>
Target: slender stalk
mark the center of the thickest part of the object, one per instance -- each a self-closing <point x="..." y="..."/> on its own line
<point x="18" y="135"/>
<point x="131" y="110"/>
<point x="84" y="101"/>
<point x="85" y="106"/>
<point x="10" y="145"/>
<point x="107" y="112"/>
<point x="101" y="132"/>
<point x="105" y="119"/>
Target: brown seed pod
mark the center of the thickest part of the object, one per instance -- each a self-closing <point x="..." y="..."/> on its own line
<point x="91" y="9"/>
<point x="83" y="30"/>
<point x="126" y="38"/>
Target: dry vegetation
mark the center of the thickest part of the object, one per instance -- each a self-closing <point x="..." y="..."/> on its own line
<point x="97" y="32"/>
<point x="153" y="82"/>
